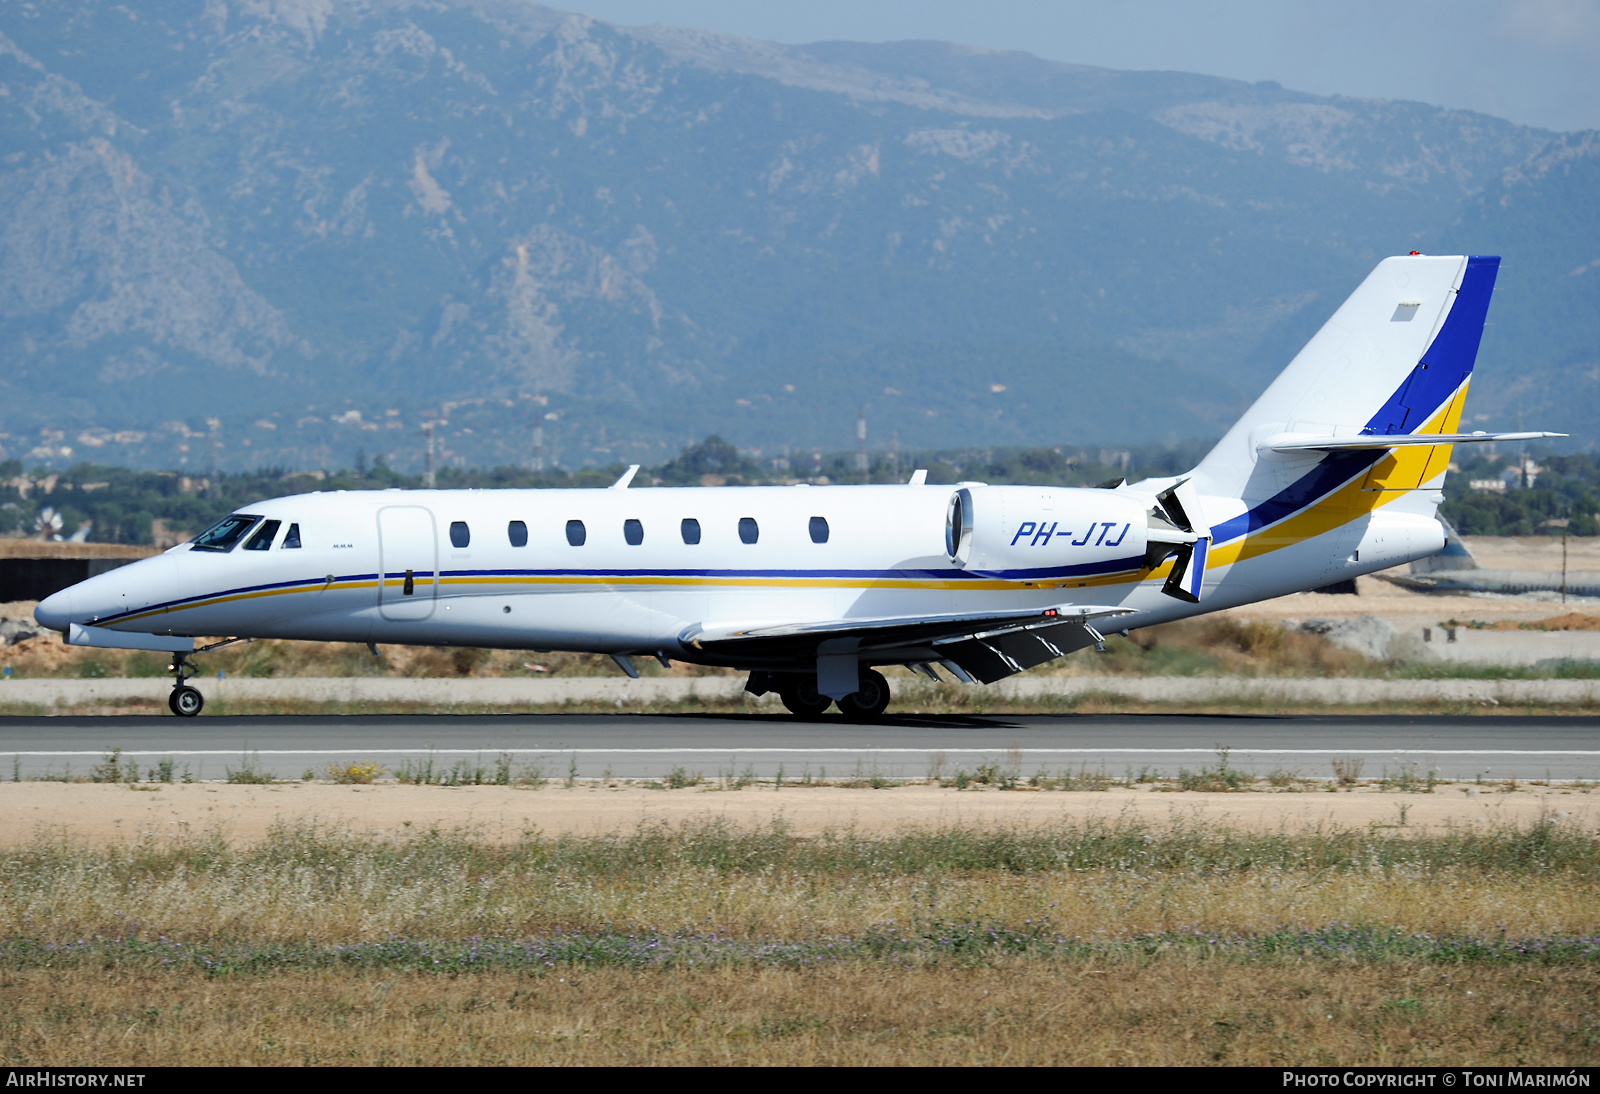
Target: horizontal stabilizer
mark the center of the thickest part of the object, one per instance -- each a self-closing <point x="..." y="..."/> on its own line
<point x="1292" y="443"/>
<point x="107" y="639"/>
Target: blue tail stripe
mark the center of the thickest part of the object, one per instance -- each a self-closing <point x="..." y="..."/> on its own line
<point x="1445" y="366"/>
<point x="1448" y="360"/>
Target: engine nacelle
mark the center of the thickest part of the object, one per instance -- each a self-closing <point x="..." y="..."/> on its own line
<point x="1055" y="535"/>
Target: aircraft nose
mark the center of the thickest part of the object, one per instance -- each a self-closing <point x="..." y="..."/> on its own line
<point x="55" y="611"/>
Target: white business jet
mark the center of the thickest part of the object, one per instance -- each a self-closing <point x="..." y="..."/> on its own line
<point x="1335" y="471"/>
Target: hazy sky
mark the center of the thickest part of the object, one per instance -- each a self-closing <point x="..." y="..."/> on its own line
<point x="1533" y="61"/>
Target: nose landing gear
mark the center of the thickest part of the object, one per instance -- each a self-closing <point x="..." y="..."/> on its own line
<point x="185" y="701"/>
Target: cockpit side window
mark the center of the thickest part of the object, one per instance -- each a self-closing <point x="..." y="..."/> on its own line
<point x="222" y="535"/>
<point x="262" y="540"/>
<point x="291" y="538"/>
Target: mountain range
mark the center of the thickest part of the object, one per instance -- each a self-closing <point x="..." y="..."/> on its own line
<point x="247" y="232"/>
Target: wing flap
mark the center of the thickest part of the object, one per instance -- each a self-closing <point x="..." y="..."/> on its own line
<point x="1021" y="639"/>
<point x="995" y="656"/>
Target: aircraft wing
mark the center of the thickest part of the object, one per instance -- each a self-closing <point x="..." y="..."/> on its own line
<point x="985" y="645"/>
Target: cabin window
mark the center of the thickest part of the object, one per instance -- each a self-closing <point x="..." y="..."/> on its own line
<point x="749" y="531"/>
<point x="222" y="535"/>
<point x="460" y="534"/>
<point x="291" y="539"/>
<point x="262" y="540"/>
<point x="517" y="533"/>
<point x="690" y="529"/>
<point x="633" y="532"/>
<point x="819" y="529"/>
<point x="575" y="533"/>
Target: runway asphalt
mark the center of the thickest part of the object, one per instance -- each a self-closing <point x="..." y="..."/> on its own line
<point x="650" y="746"/>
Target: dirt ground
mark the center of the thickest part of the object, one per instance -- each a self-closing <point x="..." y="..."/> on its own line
<point x="1408" y="611"/>
<point x="101" y="813"/>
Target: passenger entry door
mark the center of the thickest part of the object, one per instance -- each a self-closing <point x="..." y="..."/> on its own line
<point x="408" y="562"/>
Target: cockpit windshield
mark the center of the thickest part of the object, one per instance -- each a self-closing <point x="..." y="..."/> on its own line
<point x="222" y="535"/>
<point x="263" y="537"/>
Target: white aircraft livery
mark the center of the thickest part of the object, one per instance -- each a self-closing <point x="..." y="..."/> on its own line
<point x="1336" y="470"/>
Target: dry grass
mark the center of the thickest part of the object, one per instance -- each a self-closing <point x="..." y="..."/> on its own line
<point x="1094" y="943"/>
<point x="1571" y="621"/>
<point x="293" y="903"/>
<point x="1095" y="880"/>
<point x="48" y="656"/>
<point x="1223" y="646"/>
<point x="1168" y="1011"/>
<point x="933" y="699"/>
<point x="1212" y="647"/>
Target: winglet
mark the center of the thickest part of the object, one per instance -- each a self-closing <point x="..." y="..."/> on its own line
<point x="627" y="477"/>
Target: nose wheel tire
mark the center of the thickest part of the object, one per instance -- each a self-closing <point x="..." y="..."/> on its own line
<point x="185" y="701"/>
<point x="803" y="700"/>
<point x="870" y="700"/>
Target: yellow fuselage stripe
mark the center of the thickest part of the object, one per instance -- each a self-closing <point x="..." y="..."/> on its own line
<point x="1411" y="464"/>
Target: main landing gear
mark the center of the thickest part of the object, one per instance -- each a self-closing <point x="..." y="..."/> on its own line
<point x="184" y="701"/>
<point x="800" y="695"/>
<point x="869" y="701"/>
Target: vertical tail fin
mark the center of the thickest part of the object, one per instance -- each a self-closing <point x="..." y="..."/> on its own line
<point x="1394" y="359"/>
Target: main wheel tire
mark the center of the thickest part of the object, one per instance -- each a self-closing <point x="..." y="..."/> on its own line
<point x="803" y="699"/>
<point x="870" y="700"/>
<point x="186" y="702"/>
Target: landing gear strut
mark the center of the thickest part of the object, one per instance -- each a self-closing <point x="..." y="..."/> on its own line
<point x="184" y="701"/>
